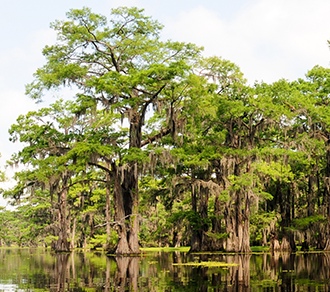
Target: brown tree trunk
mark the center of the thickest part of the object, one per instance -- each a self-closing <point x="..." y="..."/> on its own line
<point x="195" y="241"/>
<point x="122" y="246"/>
<point x="264" y="237"/>
<point x="126" y="194"/>
<point x="274" y="244"/>
<point x="312" y="187"/>
<point x="238" y="226"/>
<point x="217" y="244"/>
<point x="327" y="195"/>
<point x="245" y="245"/>
<point x="131" y="206"/>
<point x="239" y="236"/>
<point x="305" y="245"/>
<point x="327" y="244"/>
<point x="285" y="196"/>
<point x="199" y="238"/>
<point x="62" y="244"/>
<point x="177" y="238"/>
<point x="285" y="245"/>
<point x="72" y="243"/>
<point x="107" y="204"/>
<point x="231" y="241"/>
<point x="203" y="211"/>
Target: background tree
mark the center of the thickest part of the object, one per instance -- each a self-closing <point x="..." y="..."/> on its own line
<point x="49" y="135"/>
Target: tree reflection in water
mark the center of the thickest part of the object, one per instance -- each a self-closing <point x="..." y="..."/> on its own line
<point x="61" y="270"/>
<point x="127" y="274"/>
<point x="30" y="270"/>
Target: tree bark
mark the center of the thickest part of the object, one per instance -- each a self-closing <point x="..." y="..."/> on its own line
<point x="62" y="244"/>
<point x="195" y="241"/>
<point x="217" y="244"/>
<point x="72" y="243"/>
<point x="131" y="206"/>
<point x="107" y="209"/>
<point x="127" y="194"/>
<point x="122" y="246"/>
<point x="285" y="245"/>
<point x="327" y="244"/>
<point x="245" y="245"/>
<point x="231" y="242"/>
<point x="126" y="213"/>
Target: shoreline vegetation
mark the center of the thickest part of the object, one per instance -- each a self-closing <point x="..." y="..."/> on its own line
<point x="145" y="250"/>
<point x="162" y="146"/>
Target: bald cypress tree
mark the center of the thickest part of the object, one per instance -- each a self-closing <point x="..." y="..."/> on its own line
<point x="122" y="64"/>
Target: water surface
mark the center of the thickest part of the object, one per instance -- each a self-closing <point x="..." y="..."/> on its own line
<point x="40" y="270"/>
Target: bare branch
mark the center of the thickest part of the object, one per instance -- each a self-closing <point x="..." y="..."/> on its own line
<point x="101" y="167"/>
<point x="162" y="133"/>
<point x="118" y="222"/>
<point x="145" y="106"/>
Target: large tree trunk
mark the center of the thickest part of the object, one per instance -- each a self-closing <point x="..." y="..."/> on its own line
<point x="327" y="195"/>
<point x="203" y="210"/>
<point x="131" y="205"/>
<point x="62" y="244"/>
<point x="199" y="239"/>
<point x="126" y="213"/>
<point x="288" y="243"/>
<point x="274" y="244"/>
<point x="245" y="245"/>
<point x="122" y="246"/>
<point x="73" y="235"/>
<point x="217" y="244"/>
<point x="232" y="240"/>
<point x="238" y="217"/>
<point x="327" y="244"/>
<point x="107" y="246"/>
<point x="195" y="242"/>
<point x="238" y="226"/>
<point x="127" y="195"/>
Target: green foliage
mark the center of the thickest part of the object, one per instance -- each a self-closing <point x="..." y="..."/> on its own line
<point x="100" y="240"/>
<point x="201" y="142"/>
<point x="218" y="236"/>
<point x="308" y="222"/>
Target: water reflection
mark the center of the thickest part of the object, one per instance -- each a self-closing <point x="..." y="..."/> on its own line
<point x="32" y="270"/>
<point x="127" y="273"/>
<point x="61" y="269"/>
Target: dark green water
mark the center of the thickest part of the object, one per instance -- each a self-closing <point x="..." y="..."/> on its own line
<point x="39" y="270"/>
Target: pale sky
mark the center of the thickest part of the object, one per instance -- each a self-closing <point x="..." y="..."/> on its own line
<point x="267" y="39"/>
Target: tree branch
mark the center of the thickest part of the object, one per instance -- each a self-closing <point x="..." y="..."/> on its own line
<point x="101" y="167"/>
<point x="145" y="106"/>
<point x="163" y="132"/>
<point x="118" y="222"/>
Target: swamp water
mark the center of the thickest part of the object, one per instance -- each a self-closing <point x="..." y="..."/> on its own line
<point x="39" y="270"/>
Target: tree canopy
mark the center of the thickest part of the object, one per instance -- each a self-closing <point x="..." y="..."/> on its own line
<point x="161" y="145"/>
